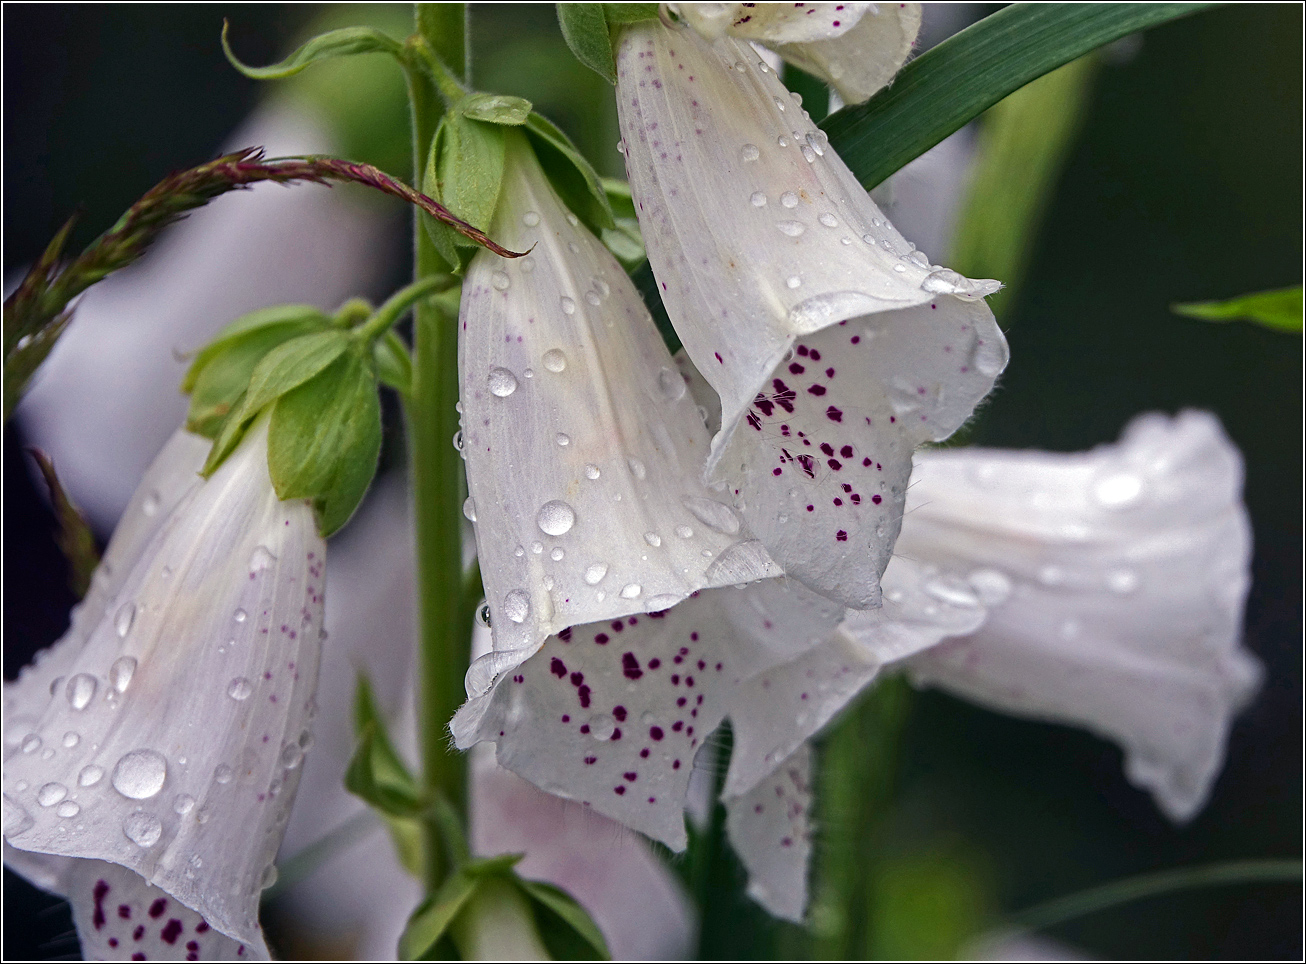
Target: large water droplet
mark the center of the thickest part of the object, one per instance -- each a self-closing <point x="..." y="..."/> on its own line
<point x="789" y="199"/>
<point x="602" y="726"/>
<point x="71" y="739"/>
<point x="517" y="605"/>
<point x="502" y="382"/>
<point x="81" y="690"/>
<point x="501" y="281"/>
<point x="555" y="360"/>
<point x="68" y="808"/>
<point x="749" y="152"/>
<point x="712" y="514"/>
<point x="594" y="573"/>
<point x="142" y="829"/>
<point x="988" y="356"/>
<point x="555" y="518"/>
<point x="223" y="774"/>
<point x="90" y="775"/>
<point x="791" y="228"/>
<point x="1118" y="490"/>
<point x="239" y="689"/>
<point x="814" y="141"/>
<point x="591" y="471"/>
<point x="757" y="199"/>
<point x="121" y="673"/>
<point x="671" y="385"/>
<point x="637" y="467"/>
<point x="556" y="555"/>
<point x="122" y="622"/>
<point x="563" y="439"/>
<point x="50" y="794"/>
<point x="809" y="155"/>
<point x="469" y="509"/>
<point x="139" y="775"/>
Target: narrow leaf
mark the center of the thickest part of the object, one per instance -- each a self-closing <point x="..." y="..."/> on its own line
<point x="74" y="537"/>
<point x="1280" y="309"/>
<point x="375" y="772"/>
<point x="430" y="921"/>
<point x="586" y="31"/>
<point x="944" y="88"/>
<point x="335" y="43"/>
<point x="394" y="365"/>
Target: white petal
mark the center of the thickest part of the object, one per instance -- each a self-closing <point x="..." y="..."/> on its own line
<point x="860" y="61"/>
<point x="612" y="714"/>
<point x="118" y="915"/>
<point x="769" y="828"/>
<point x="1126" y="570"/>
<point x="584" y="449"/>
<point x="172" y="746"/>
<point x="765" y="248"/>
<point x="773" y="23"/>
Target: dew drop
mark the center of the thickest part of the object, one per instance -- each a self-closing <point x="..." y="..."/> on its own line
<point x="240" y="615"/>
<point x="829" y="220"/>
<point x="292" y="755"/>
<point x="988" y="357"/>
<point x="139" y="775"/>
<point x="142" y="829"/>
<point x="568" y="305"/>
<point x="469" y="509"/>
<point x="712" y="514"/>
<point x="16" y="819"/>
<point x="527" y="265"/>
<point x="789" y="199"/>
<point x="556" y="555"/>
<point x="782" y="141"/>
<point x="31" y="743"/>
<point x="631" y="591"/>
<point x="791" y="228"/>
<point x="90" y="775"/>
<point x="1118" y="490"/>
<point x="809" y="155"/>
<point x="1051" y="575"/>
<point x="458" y="440"/>
<point x="555" y="518"/>
<point x="71" y="739"/>
<point x="517" y="605"/>
<point x="555" y="360"/>
<point x="591" y="471"/>
<point x="122" y="622"/>
<point x="240" y="689"/>
<point x="757" y="199"/>
<point x="484" y="616"/>
<point x="261" y="558"/>
<point x="530" y="219"/>
<point x="152" y="502"/>
<point x="183" y="804"/>
<point x="501" y="281"/>
<point x="537" y="547"/>
<point x="899" y="268"/>
<point x="594" y="574"/>
<point x="50" y="794"/>
<point x="563" y="439"/>
<point x="637" y="468"/>
<point x="602" y="726"/>
<point x="653" y="539"/>
<point x="68" y="809"/>
<point x="814" y="141"/>
<point x="793" y="281"/>
<point x="121" y="672"/>
<point x="993" y="587"/>
<point x="269" y="877"/>
<point x="952" y="594"/>
<point x="502" y="382"/>
<point x="592" y="298"/>
<point x="671" y="385"/>
<point x="684" y="532"/>
<point x="81" y="690"/>
<point x="223" y="774"/>
<point x="749" y="152"/>
<point x="780" y="104"/>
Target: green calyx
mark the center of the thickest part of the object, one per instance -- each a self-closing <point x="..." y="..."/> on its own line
<point x="587" y="28"/>
<point x="317" y="377"/>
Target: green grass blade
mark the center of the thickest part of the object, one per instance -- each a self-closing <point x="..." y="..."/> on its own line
<point x="940" y="91"/>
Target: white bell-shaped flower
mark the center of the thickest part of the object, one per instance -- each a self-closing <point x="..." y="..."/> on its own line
<point x="854" y="47"/>
<point x="836" y="347"/>
<point x="584" y="448"/>
<point x="1103" y="589"/>
<point x="163" y="734"/>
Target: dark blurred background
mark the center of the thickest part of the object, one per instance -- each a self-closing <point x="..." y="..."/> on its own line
<point x="1184" y="184"/>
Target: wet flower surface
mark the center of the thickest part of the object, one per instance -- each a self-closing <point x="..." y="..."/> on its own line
<point x="164" y="733"/>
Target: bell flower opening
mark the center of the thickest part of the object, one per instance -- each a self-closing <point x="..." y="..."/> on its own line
<point x="835" y="346"/>
<point x="164" y="733"/>
<point x="583" y="445"/>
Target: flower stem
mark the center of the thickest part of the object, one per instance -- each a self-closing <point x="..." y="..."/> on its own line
<point x="444" y="620"/>
<point x="385" y="317"/>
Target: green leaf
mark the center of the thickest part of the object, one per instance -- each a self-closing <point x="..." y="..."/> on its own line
<point x="565" y="927"/>
<point x="335" y="43"/>
<point x="376" y="773"/>
<point x="571" y="175"/>
<point x="495" y="108"/>
<point x="470" y="171"/>
<point x="1280" y="309"/>
<point x="616" y="13"/>
<point x="955" y="82"/>
<point x="394" y="365"/>
<point x="586" y="31"/>
<point x="428" y="928"/>
<point x="290" y="365"/>
<point x="619" y="197"/>
<point x="324" y="440"/>
<point x="443" y="237"/>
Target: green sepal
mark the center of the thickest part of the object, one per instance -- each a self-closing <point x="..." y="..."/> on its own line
<point x="585" y="29"/>
<point x="565" y="927"/>
<point x="1280" y="309"/>
<point x="221" y="371"/>
<point x="427" y="935"/>
<point x="470" y="167"/>
<point x="495" y="108"/>
<point x="324" y="439"/>
<point x="376" y="773"/>
<point x="623" y="239"/>
<point x="334" y="43"/>
<point x="616" y="13"/>
<point x="394" y="365"/>
<point x="571" y="175"/>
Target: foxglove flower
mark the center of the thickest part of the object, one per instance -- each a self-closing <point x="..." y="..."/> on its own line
<point x="854" y="47"/>
<point x="1103" y="590"/>
<point x="584" y="448"/>
<point x="153" y="753"/>
<point x="835" y="346"/>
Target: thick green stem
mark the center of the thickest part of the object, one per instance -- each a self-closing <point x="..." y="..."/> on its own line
<point x="444" y="619"/>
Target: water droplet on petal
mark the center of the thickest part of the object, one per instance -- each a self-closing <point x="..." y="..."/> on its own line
<point x="502" y="382"/>
<point x="530" y="219"/>
<point x="591" y="471"/>
<point x="814" y="141"/>
<point x="568" y="306"/>
<point x="713" y="514"/>
<point x="789" y="199"/>
<point x="809" y="155"/>
<point x="68" y="808"/>
<point x="261" y="558"/>
<point x="269" y="877"/>
<point x="500" y="280"/>
<point x="791" y="228"/>
<point x="594" y="574"/>
<point x="1123" y="581"/>
<point x="139" y="775"/>
<point x="142" y="829"/>
<point x="183" y="804"/>
<point x="517" y="605"/>
<point x="81" y="690"/>
<point x="71" y="739"/>
<point x="653" y="539"/>
<point x="602" y="726"/>
<point x="484" y="615"/>
<point x="684" y="531"/>
<point x="782" y="141"/>
<point x="121" y="672"/>
<point x="240" y="615"/>
<point x="671" y="385"/>
<point x="555" y="360"/>
<point x="458" y="440"/>
<point x="757" y="199"/>
<point x="988" y="357"/>
<point x="1051" y="575"/>
<point x="1118" y="490"/>
<point x="563" y="439"/>
<point x="240" y="689"/>
<point x="749" y="152"/>
<point x="555" y="518"/>
<point x="90" y="775"/>
<point x="793" y="282"/>
<point x="993" y="587"/>
<point x="631" y="591"/>
<point x="291" y="756"/>
<point x="592" y="298"/>
<point x="637" y="468"/>
<point x="31" y="743"/>
<point x="780" y="104"/>
<point x="122" y="622"/>
<point x="951" y="593"/>
<point x="152" y="502"/>
<point x="50" y="794"/>
<point x="469" y="509"/>
<point x="223" y="774"/>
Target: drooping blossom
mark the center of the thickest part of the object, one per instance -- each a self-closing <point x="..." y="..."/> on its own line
<point x="854" y="47"/>
<point x="584" y="448"/>
<point x="835" y="346"/>
<point x="152" y="754"/>
<point x="1103" y="590"/>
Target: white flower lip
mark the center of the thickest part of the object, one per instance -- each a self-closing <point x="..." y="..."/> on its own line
<point x="165" y="732"/>
<point x="835" y="346"/>
<point x="584" y="449"/>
